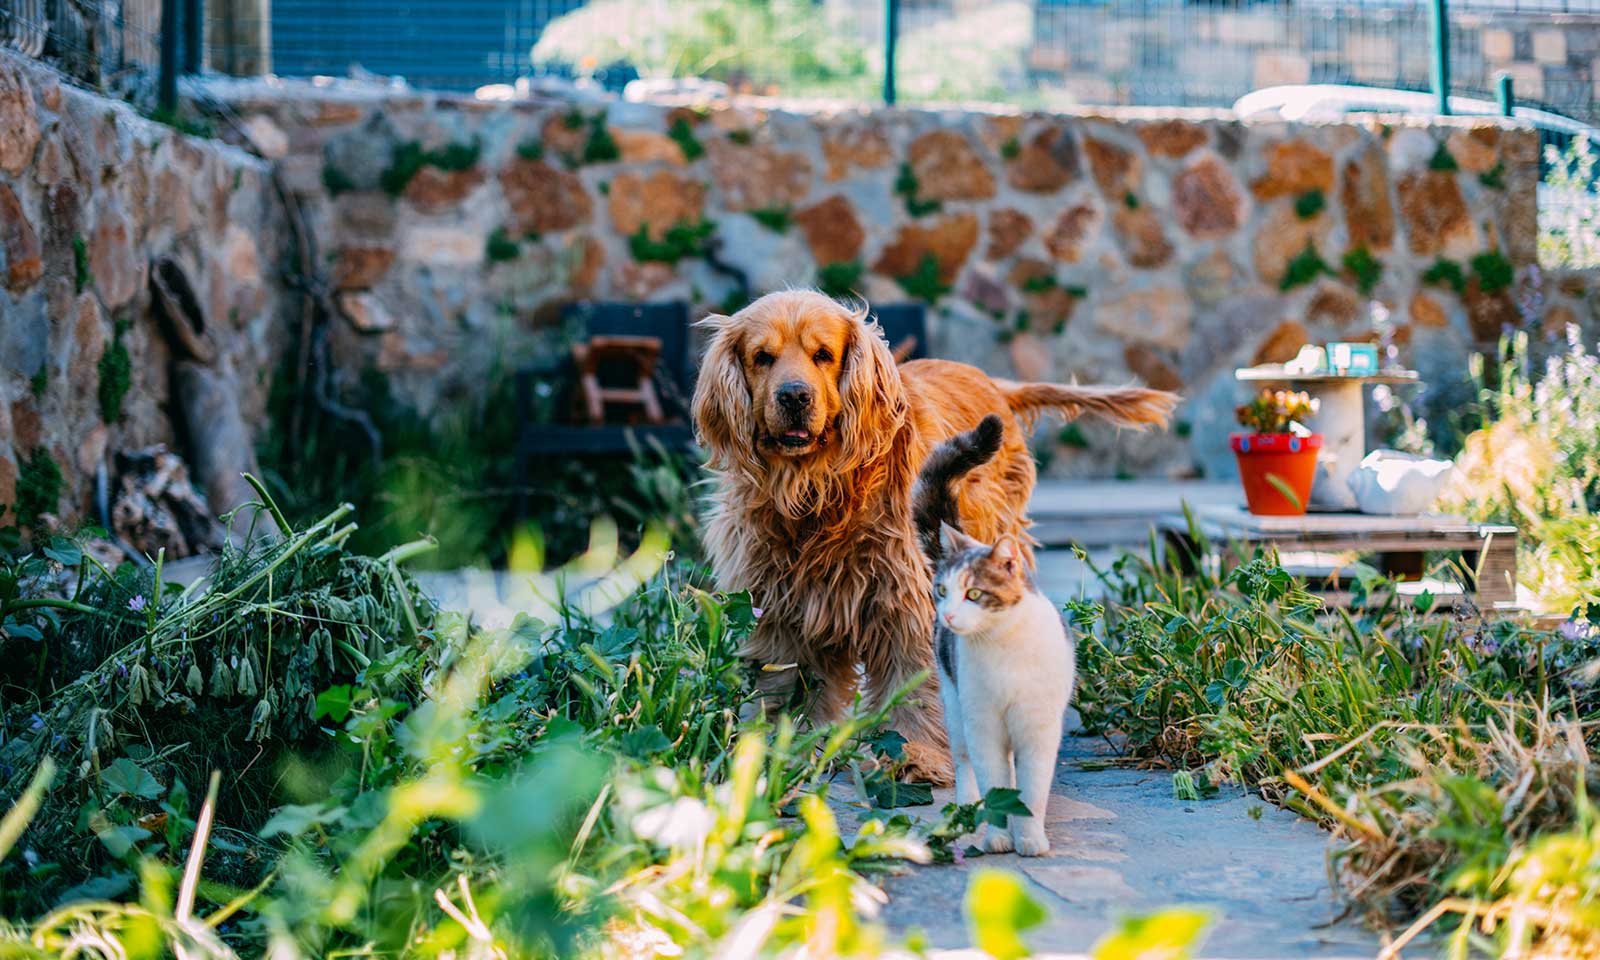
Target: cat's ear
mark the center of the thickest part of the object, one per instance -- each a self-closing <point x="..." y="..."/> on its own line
<point x="954" y="541"/>
<point x="1007" y="553"/>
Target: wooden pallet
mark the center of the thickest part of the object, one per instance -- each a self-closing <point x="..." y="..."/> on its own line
<point x="1397" y="543"/>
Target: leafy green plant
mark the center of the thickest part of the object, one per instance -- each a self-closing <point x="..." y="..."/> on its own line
<point x="600" y="146"/>
<point x="1040" y="283"/>
<point x="1365" y="268"/>
<point x="409" y="158"/>
<point x="39" y="484"/>
<point x="39" y="383"/>
<point x="500" y="248"/>
<point x="743" y="137"/>
<point x="840" y="279"/>
<point x="116" y="376"/>
<point x="335" y="180"/>
<point x="776" y="219"/>
<point x="924" y="281"/>
<point x="1130" y="200"/>
<point x="1072" y="435"/>
<point x="1445" y="273"/>
<point x="1493" y="271"/>
<point x="531" y="150"/>
<point x="1494" y="178"/>
<point x="1010" y="149"/>
<point x="1443" y="160"/>
<point x="1307" y="205"/>
<point x="682" y="133"/>
<point x="906" y="187"/>
<point x="679" y="241"/>
<point x="1305" y="267"/>
<point x="82" y="276"/>
<point x="1569" y="226"/>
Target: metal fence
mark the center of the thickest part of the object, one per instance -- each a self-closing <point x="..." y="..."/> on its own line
<point x="1045" y="53"/>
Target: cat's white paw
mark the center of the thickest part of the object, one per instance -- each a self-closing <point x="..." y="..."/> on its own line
<point x="1033" y="844"/>
<point x="997" y="841"/>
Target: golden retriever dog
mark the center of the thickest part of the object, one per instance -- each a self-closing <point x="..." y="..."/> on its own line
<point x="815" y="437"/>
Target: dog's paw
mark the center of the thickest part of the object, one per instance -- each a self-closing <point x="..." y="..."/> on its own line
<point x="996" y="841"/>
<point x="1033" y="844"/>
<point x="926" y="763"/>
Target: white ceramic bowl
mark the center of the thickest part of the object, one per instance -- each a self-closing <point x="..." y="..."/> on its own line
<point x="1392" y="483"/>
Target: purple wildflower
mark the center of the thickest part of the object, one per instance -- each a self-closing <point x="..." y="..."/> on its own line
<point x="136" y="603"/>
<point x="36" y="722"/>
<point x="755" y="612"/>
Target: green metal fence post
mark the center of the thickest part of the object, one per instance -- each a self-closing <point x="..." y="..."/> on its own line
<point x="891" y="35"/>
<point x="167" y="88"/>
<point x="1441" y="55"/>
<point x="1503" y="91"/>
<point x="193" y="22"/>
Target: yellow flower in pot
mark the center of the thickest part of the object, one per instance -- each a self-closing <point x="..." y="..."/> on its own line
<point x="1278" y="460"/>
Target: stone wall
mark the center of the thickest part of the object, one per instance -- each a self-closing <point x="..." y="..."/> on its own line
<point x="1164" y="246"/>
<point x="90" y="193"/>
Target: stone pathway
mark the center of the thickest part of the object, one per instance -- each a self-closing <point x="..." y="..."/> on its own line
<point x="1121" y="843"/>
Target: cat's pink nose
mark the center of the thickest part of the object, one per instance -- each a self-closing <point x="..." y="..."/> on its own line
<point x="950" y="618"/>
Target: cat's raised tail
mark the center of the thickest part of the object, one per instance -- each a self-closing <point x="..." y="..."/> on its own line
<point x="932" y="500"/>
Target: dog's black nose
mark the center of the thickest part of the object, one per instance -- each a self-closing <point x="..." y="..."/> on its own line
<point x="794" y="396"/>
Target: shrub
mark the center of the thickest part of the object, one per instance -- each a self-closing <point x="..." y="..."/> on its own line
<point x="1304" y="268"/>
<point x="1307" y="205"/>
<point x="1364" y="268"/>
<point x="776" y="219"/>
<point x="683" y="135"/>
<point x="1446" y="273"/>
<point x="906" y="187"/>
<point x="679" y="241"/>
<point x="116" y="377"/>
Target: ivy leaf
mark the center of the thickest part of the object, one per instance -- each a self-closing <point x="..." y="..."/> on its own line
<point x="131" y="780"/>
<point x="645" y="742"/>
<point x="887" y="793"/>
<point x="64" y="552"/>
<point x="296" y="818"/>
<point x="1002" y="802"/>
<point x="334" y="703"/>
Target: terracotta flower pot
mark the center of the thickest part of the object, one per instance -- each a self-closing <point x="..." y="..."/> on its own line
<point x="1277" y="470"/>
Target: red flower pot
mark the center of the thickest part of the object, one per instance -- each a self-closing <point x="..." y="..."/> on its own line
<point x="1277" y="470"/>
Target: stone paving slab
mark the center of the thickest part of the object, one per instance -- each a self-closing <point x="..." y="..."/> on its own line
<point x="1121" y="843"/>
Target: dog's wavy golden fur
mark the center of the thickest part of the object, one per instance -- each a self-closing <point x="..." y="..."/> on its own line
<point x="815" y="438"/>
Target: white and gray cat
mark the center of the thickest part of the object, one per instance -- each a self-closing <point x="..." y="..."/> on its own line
<point x="1006" y="663"/>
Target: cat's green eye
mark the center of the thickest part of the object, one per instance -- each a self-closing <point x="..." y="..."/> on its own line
<point x="940" y="590"/>
<point x="974" y="594"/>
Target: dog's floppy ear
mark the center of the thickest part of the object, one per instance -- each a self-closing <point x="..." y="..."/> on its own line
<point x="723" y="424"/>
<point x="872" y="398"/>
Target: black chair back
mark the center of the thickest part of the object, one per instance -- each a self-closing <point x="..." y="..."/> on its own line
<point x="902" y="320"/>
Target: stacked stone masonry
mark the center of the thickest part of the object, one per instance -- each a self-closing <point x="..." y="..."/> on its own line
<point x="90" y="194"/>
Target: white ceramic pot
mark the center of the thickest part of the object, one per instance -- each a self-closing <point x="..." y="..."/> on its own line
<point x="1389" y="482"/>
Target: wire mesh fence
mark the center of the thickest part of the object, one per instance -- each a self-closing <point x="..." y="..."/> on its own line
<point x="98" y="43"/>
<point x="1035" y="53"/>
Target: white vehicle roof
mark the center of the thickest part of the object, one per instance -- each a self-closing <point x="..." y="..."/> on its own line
<point x="1326" y="101"/>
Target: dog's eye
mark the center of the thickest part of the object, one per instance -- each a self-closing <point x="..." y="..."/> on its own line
<point x="822" y="356"/>
<point x="974" y="594"/>
<point x="764" y="359"/>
